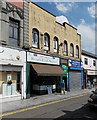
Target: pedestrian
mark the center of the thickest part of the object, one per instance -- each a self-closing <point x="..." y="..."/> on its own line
<point x="93" y="83"/>
<point x="89" y="84"/>
<point x="62" y="85"/>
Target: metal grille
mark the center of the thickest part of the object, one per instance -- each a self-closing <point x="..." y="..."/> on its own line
<point x="75" y="80"/>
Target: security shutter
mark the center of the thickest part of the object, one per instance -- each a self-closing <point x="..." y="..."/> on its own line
<point x="75" y="80"/>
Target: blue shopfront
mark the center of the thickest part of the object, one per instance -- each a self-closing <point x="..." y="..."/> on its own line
<point x="76" y="75"/>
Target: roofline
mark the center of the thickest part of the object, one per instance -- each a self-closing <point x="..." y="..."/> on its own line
<point x="42" y="8"/>
<point x="89" y="54"/>
<point x="59" y="23"/>
<point x="67" y="24"/>
<point x="70" y="25"/>
<point x="78" y="34"/>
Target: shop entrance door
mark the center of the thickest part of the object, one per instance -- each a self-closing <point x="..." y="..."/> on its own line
<point x="65" y="80"/>
<point x="19" y="82"/>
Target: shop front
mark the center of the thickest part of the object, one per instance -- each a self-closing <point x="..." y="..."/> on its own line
<point x="75" y="73"/>
<point x="11" y="74"/>
<point x="91" y="78"/>
<point x="44" y="73"/>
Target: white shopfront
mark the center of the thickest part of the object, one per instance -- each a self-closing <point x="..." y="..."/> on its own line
<point x="92" y="76"/>
<point x="12" y="73"/>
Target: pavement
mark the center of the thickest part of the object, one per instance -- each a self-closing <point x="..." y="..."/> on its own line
<point x="36" y="100"/>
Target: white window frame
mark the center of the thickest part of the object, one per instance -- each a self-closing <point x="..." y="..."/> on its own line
<point x="36" y="39"/>
<point x="94" y="62"/>
<point x="65" y="48"/>
<point x="46" y="41"/>
<point x="55" y="44"/>
<point x="86" y="60"/>
<point x="77" y="52"/>
<point x="71" y="50"/>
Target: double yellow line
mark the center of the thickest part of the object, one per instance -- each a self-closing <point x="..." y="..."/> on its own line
<point x="30" y="108"/>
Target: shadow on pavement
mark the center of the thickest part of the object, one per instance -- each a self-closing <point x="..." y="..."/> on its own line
<point x="84" y="112"/>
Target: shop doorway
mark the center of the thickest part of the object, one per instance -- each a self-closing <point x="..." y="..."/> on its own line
<point x="19" y="82"/>
<point x="40" y="85"/>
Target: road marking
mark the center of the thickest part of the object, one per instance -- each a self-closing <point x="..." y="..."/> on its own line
<point x="30" y="108"/>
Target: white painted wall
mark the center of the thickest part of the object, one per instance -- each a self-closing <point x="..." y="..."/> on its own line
<point x="90" y="63"/>
<point x="9" y="56"/>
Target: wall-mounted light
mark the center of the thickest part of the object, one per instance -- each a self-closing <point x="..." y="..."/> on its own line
<point x="18" y="57"/>
<point x="41" y="34"/>
<point x="61" y="44"/>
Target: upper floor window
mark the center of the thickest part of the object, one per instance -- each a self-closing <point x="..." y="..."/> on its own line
<point x="56" y="44"/>
<point x="46" y="41"/>
<point x="35" y="38"/>
<point x="71" y="50"/>
<point x="14" y="32"/>
<point x="94" y="63"/>
<point x="86" y="61"/>
<point x="77" y="51"/>
<point x="65" y="48"/>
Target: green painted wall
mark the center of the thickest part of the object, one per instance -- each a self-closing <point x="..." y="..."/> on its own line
<point x="28" y="80"/>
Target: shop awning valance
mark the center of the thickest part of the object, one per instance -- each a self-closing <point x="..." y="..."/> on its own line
<point x="48" y="70"/>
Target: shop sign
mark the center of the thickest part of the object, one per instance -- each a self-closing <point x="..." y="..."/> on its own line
<point x="91" y="72"/>
<point x="38" y="58"/>
<point x="75" y="63"/>
<point x="65" y="68"/>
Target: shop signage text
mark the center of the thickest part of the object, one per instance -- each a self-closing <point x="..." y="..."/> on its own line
<point x="38" y="58"/>
<point x="91" y="72"/>
<point x="75" y="63"/>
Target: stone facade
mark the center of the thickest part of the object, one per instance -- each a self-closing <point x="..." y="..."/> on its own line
<point x="26" y="23"/>
<point x="45" y="22"/>
<point x="8" y="11"/>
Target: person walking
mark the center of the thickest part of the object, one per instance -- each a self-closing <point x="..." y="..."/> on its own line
<point x="62" y="85"/>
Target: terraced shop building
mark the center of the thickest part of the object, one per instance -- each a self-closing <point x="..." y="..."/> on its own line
<point x="11" y="54"/>
<point x="52" y="45"/>
<point x="90" y="69"/>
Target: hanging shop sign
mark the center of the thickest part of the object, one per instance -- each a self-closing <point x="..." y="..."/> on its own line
<point x="75" y="63"/>
<point x="38" y="58"/>
<point x="65" y="68"/>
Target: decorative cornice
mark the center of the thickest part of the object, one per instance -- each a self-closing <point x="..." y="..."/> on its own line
<point x="13" y="8"/>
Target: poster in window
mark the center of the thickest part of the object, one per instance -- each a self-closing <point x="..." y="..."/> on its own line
<point x="9" y="77"/>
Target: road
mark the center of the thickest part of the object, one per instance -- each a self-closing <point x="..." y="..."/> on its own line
<point x="70" y="108"/>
